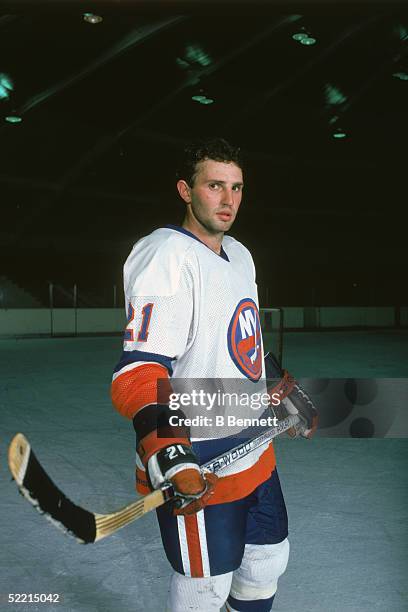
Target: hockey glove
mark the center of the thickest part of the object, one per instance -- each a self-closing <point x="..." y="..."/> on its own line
<point x="179" y="465"/>
<point x="293" y="399"/>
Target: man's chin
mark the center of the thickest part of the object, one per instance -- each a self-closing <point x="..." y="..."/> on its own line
<point x="217" y="226"/>
<point x="224" y="226"/>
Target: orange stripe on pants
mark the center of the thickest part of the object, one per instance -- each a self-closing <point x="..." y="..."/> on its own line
<point x="194" y="546"/>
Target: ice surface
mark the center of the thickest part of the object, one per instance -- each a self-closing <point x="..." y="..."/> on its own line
<point x="347" y="499"/>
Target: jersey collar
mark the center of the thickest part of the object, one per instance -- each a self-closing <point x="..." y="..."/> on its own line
<point x="180" y="229"/>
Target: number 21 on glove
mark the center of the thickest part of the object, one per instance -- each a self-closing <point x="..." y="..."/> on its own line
<point x="143" y="332"/>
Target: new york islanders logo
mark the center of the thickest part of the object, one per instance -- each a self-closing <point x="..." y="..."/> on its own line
<point x="244" y="339"/>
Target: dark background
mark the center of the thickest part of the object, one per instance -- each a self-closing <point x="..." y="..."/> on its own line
<point x="107" y="107"/>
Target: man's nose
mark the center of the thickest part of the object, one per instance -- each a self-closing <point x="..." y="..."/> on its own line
<point x="228" y="198"/>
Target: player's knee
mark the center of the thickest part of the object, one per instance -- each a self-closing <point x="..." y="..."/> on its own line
<point x="261" y="567"/>
<point x="198" y="594"/>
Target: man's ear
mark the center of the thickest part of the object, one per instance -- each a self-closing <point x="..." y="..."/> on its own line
<point x="184" y="191"/>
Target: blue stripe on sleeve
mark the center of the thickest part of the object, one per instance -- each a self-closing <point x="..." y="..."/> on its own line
<point x="129" y="357"/>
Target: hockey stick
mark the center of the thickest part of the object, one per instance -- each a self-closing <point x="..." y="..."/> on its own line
<point x="88" y="527"/>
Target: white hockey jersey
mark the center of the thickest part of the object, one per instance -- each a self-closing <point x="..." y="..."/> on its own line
<point x="196" y="313"/>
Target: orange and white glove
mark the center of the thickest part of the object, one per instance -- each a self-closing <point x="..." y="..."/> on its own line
<point x="178" y="465"/>
<point x="291" y="399"/>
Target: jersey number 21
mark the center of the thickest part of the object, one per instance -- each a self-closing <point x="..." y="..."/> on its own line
<point x="144" y="325"/>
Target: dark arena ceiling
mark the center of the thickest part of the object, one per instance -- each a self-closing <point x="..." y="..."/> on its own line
<point x="95" y="109"/>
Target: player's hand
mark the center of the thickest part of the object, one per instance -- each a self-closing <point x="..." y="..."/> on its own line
<point x="194" y="491"/>
<point x="294" y="400"/>
<point x="179" y="465"/>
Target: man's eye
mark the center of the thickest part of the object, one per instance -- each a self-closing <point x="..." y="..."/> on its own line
<point x="214" y="185"/>
<point x="237" y="188"/>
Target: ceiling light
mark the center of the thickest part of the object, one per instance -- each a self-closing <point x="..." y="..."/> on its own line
<point x="339" y="133"/>
<point x="91" y="18"/>
<point x="182" y="63"/>
<point x="4" y="93"/>
<point x="403" y="76"/>
<point x="13" y="119"/>
<point x="195" y="54"/>
<point x="6" y="81"/>
<point x="6" y="86"/>
<point x="308" y="40"/>
<point x="334" y="96"/>
<point x="304" y="37"/>
<point x="401" y="31"/>
<point x="202" y="99"/>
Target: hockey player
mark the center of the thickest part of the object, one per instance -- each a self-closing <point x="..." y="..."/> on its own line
<point x="192" y="311"/>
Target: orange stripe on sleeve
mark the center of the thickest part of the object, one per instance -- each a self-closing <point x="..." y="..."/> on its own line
<point x="136" y="388"/>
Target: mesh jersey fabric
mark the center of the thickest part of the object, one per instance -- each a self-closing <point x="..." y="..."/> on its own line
<point x="195" y="298"/>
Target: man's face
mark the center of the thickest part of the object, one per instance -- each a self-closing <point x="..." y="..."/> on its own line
<point x="215" y="196"/>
